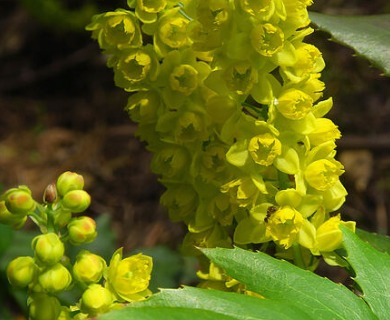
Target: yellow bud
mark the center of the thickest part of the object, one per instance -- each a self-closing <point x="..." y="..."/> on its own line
<point x="76" y="201"/>
<point x="21" y="271"/>
<point x="323" y="174"/>
<point x="16" y="221"/>
<point x="19" y="200"/>
<point x="55" y="279"/>
<point x="82" y="230"/>
<point x="329" y="236"/>
<point x="129" y="277"/>
<point x="88" y="267"/>
<point x="96" y="300"/>
<point x="43" y="307"/>
<point x="264" y="148"/>
<point x="69" y="181"/>
<point x="48" y="248"/>
<point x="65" y="314"/>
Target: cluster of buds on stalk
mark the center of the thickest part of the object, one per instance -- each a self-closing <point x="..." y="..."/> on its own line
<point x="227" y="96"/>
<point x="49" y="271"/>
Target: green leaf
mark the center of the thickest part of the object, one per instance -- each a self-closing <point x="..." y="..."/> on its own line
<point x="281" y="281"/>
<point x="21" y="246"/>
<point x="194" y="304"/>
<point x="380" y="242"/>
<point x="369" y="36"/>
<point x="372" y="273"/>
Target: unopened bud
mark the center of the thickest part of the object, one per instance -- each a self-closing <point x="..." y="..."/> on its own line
<point x="16" y="221"/>
<point x="55" y="279"/>
<point x="21" y="271"/>
<point x="69" y="181"/>
<point x="88" y="267"/>
<point x="96" y="300"/>
<point x="19" y="200"/>
<point x="43" y="307"/>
<point x="48" y="248"/>
<point x="76" y="201"/>
<point x="50" y="194"/>
<point x="65" y="314"/>
<point x="82" y="230"/>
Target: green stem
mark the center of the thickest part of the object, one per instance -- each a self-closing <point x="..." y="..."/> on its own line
<point x="298" y="258"/>
<point x="50" y="218"/>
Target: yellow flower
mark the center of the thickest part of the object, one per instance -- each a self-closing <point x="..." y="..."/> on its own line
<point x="323" y="174"/>
<point x="135" y="66"/>
<point x="257" y="7"/>
<point x="184" y="79"/>
<point x="308" y="61"/>
<point x="189" y="127"/>
<point x="284" y="225"/>
<point x="213" y="13"/>
<point x="118" y="29"/>
<point x="267" y="39"/>
<point x="240" y="77"/>
<point x="264" y="148"/>
<point x="142" y="106"/>
<point x="324" y="131"/>
<point x="329" y="236"/>
<point x="294" y="104"/>
<point x="129" y="278"/>
<point x="172" y="30"/>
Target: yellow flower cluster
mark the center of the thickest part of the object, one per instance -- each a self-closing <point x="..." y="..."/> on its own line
<point x="227" y="96"/>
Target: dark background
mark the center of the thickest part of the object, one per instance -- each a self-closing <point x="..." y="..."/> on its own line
<point x="59" y="110"/>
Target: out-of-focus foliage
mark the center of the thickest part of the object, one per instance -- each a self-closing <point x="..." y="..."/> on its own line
<point x="369" y="36"/>
<point x="59" y="14"/>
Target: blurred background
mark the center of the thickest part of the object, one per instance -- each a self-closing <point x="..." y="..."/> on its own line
<point x="60" y="110"/>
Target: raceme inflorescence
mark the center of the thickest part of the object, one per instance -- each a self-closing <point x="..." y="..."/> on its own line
<point x="50" y="271"/>
<point x="228" y="98"/>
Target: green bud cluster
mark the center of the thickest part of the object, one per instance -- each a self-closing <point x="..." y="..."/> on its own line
<point x="227" y="96"/>
<point x="50" y="272"/>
